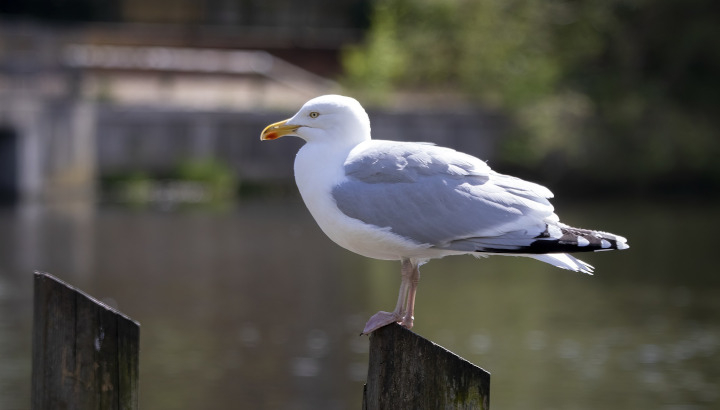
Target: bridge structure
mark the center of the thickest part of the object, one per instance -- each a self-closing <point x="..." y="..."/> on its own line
<point x="59" y="90"/>
<point x="73" y="110"/>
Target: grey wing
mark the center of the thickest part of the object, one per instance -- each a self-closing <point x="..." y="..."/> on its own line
<point x="441" y="197"/>
<point x="381" y="161"/>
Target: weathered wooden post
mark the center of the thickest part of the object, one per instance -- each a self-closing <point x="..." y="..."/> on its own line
<point x="85" y="354"/>
<point x="407" y="371"/>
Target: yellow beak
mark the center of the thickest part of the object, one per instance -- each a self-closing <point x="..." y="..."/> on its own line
<point x="277" y="130"/>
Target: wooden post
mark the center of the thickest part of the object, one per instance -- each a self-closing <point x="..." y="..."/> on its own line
<point x="85" y="354"/>
<point x="407" y="371"/>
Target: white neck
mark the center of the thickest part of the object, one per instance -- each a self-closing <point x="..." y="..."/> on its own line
<point x="319" y="167"/>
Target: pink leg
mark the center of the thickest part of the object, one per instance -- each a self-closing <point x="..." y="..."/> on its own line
<point x="408" y="285"/>
<point x="410" y="306"/>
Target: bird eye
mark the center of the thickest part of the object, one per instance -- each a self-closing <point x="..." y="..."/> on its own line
<point x="314" y="114"/>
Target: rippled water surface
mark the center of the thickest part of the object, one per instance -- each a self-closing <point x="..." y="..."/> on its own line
<point x="252" y="307"/>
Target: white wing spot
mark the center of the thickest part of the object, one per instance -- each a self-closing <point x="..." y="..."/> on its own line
<point x="604" y="244"/>
<point x="582" y="241"/>
<point x="554" y="231"/>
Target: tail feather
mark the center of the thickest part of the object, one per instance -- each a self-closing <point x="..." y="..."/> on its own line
<point x="565" y="261"/>
<point x="557" y="238"/>
<point x="551" y="246"/>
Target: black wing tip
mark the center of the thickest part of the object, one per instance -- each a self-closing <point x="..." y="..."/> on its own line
<point x="579" y="240"/>
<point x="566" y="239"/>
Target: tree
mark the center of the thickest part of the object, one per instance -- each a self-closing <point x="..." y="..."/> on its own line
<point x="587" y="82"/>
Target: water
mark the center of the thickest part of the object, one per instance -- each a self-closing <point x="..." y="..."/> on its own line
<point x="252" y="307"/>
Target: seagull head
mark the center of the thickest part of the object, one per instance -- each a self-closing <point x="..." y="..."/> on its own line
<point x="328" y="119"/>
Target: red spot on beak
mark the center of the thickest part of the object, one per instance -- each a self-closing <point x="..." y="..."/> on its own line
<point x="277" y="130"/>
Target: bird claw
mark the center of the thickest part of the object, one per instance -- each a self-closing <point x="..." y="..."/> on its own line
<point x="381" y="319"/>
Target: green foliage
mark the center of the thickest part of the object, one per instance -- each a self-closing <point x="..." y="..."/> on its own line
<point x="375" y="66"/>
<point x="589" y="82"/>
<point x="194" y="181"/>
<point x="218" y="176"/>
<point x="133" y="187"/>
<point x="505" y="56"/>
<point x="494" y="49"/>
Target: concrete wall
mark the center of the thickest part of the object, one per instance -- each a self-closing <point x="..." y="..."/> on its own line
<point x="62" y="147"/>
<point x="54" y="149"/>
<point x="155" y="140"/>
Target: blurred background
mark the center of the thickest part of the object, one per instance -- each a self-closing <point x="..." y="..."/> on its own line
<point x="131" y="167"/>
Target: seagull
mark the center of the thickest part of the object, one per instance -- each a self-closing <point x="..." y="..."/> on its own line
<point x="414" y="201"/>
